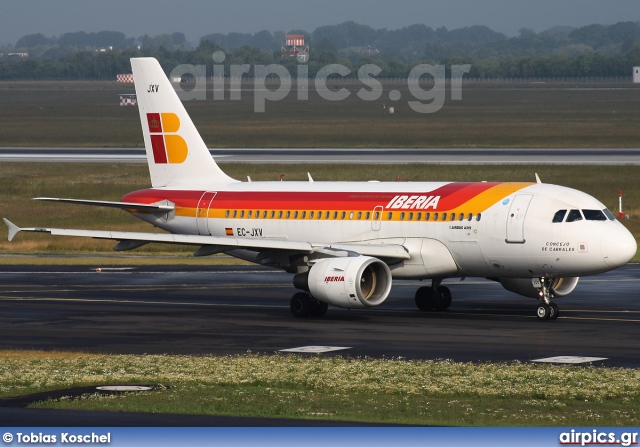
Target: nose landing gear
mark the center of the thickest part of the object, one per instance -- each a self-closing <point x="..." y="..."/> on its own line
<point x="546" y="309"/>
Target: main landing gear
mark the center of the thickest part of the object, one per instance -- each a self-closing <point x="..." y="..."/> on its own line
<point x="304" y="305"/>
<point x="546" y="309"/>
<point x="436" y="297"/>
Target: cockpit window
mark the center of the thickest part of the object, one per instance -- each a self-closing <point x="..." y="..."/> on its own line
<point x="608" y="214"/>
<point x="574" y="215"/>
<point x="559" y="216"/>
<point x="594" y="215"/>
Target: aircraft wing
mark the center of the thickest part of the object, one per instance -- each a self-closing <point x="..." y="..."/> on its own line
<point x="213" y="244"/>
<point x="154" y="208"/>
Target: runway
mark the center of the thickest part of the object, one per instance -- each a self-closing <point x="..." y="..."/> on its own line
<point x="630" y="156"/>
<point x="233" y="310"/>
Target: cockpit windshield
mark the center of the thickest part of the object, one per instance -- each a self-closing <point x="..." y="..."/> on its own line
<point x="574" y="216"/>
<point x="609" y="215"/>
<point x="559" y="216"/>
<point x="594" y="215"/>
<point x="577" y="215"/>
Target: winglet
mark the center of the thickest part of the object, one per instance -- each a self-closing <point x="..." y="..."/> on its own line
<point x="13" y="229"/>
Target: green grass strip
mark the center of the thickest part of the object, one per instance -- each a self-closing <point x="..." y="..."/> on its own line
<point x="426" y="392"/>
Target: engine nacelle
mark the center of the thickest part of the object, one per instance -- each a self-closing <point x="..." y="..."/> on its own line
<point x="524" y="286"/>
<point x="352" y="282"/>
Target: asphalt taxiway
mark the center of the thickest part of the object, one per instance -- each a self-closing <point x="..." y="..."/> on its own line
<point x="232" y="310"/>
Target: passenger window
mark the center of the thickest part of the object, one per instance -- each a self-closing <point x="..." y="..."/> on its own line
<point x="304" y="214"/>
<point x="594" y="215"/>
<point x="478" y="217"/>
<point x="242" y="214"/>
<point x="235" y="213"/>
<point x="311" y="215"/>
<point x="574" y="216"/>
<point x="226" y="214"/>
<point x="559" y="216"/>
<point x="401" y="216"/>
<point x="359" y="215"/>
<point x="470" y="217"/>
<point x="376" y="215"/>
<point x="390" y="216"/>
<point x="288" y="214"/>
<point x="280" y="215"/>
<point x="249" y="215"/>
<point x="419" y="216"/>
<point x="427" y="216"/>
<point x="368" y="215"/>
<point x="295" y="215"/>
<point x="343" y="215"/>
<point x="444" y="217"/>
<point x="435" y="217"/>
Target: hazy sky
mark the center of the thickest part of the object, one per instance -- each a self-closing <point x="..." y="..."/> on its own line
<point x="196" y="18"/>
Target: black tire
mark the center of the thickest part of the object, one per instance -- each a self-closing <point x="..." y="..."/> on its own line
<point x="543" y="312"/>
<point x="425" y="299"/>
<point x="555" y="312"/>
<point x="443" y="298"/>
<point x="301" y="305"/>
<point x="319" y="309"/>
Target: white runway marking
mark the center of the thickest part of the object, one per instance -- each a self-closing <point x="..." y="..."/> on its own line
<point x="569" y="359"/>
<point x="315" y="349"/>
<point x="124" y="388"/>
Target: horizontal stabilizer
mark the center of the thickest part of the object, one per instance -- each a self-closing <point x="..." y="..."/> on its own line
<point x="123" y="205"/>
<point x="13" y="229"/>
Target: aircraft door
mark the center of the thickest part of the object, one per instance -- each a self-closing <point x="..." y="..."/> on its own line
<point x="515" y="218"/>
<point x="376" y="218"/>
<point x="202" y="213"/>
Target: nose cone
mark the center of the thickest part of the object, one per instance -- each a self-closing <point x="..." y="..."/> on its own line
<point x="618" y="246"/>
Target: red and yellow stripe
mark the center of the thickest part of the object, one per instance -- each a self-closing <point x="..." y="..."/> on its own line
<point x="465" y="198"/>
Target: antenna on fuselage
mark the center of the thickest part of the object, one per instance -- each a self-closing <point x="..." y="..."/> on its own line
<point x="310" y="179"/>
<point x="538" y="179"/>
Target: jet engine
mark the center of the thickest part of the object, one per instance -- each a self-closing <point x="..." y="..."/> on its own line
<point x="524" y="286"/>
<point x="351" y="283"/>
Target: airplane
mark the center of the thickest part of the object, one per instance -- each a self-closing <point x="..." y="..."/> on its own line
<point x="345" y="242"/>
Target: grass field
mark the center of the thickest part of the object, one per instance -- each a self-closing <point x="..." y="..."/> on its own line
<point x="335" y="388"/>
<point x="87" y="114"/>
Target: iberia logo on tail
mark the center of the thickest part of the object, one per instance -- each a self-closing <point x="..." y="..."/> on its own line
<point x="168" y="147"/>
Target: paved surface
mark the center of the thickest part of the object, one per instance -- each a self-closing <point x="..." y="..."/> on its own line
<point x="229" y="310"/>
<point x="360" y="156"/>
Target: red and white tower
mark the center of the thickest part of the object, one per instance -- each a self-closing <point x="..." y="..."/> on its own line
<point x="295" y="47"/>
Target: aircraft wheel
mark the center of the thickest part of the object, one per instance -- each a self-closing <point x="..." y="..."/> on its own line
<point x="443" y="298"/>
<point x="319" y="309"/>
<point x="301" y="305"/>
<point x="425" y="299"/>
<point x="543" y="312"/>
<point x="555" y="312"/>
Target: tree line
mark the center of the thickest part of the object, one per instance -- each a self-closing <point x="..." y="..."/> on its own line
<point x="594" y="50"/>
